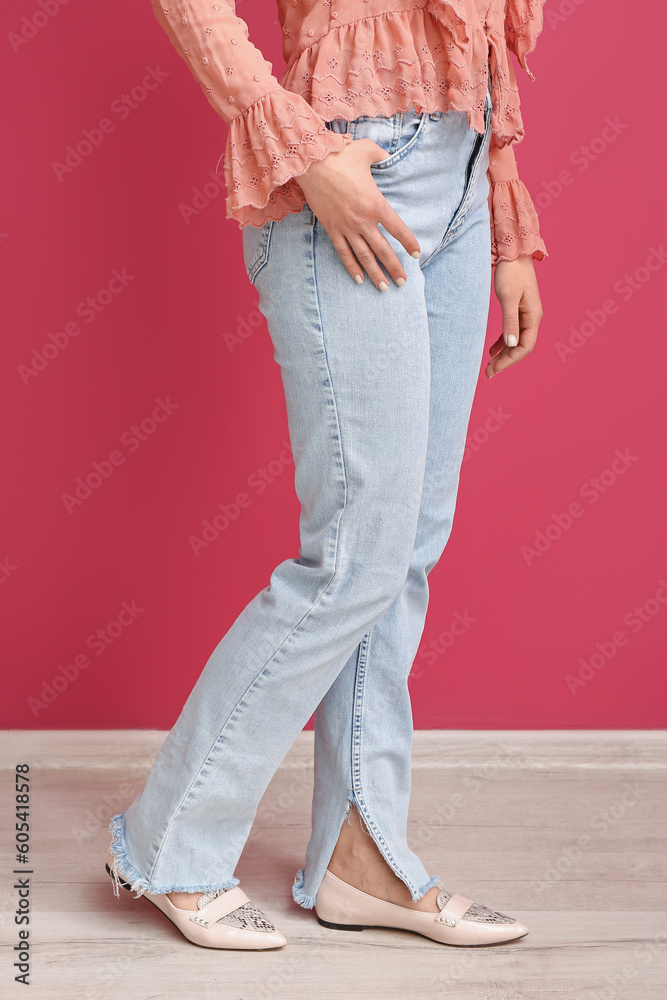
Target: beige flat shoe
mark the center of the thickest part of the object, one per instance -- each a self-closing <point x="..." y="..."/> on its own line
<point x="460" y="921"/>
<point x="227" y="921"/>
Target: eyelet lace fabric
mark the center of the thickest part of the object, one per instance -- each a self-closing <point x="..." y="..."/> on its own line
<point x="346" y="58"/>
<point x="514" y="223"/>
<point x="245" y="916"/>
<point x="435" y="55"/>
<point x="476" y="912"/>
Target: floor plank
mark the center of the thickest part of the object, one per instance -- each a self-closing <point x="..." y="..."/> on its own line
<point x="565" y="830"/>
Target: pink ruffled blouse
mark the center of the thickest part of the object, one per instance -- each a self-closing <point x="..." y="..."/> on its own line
<point x="346" y="58"/>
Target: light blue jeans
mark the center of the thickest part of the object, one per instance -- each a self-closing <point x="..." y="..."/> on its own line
<point x="379" y="388"/>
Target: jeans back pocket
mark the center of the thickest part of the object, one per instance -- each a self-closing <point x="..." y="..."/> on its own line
<point x="256" y="243"/>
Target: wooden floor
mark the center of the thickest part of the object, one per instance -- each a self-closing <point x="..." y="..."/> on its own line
<point x="564" y="830"/>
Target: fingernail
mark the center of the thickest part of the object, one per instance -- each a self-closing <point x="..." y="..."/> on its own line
<point x="512" y="340"/>
<point x="383" y="286"/>
<point x="358" y="279"/>
<point x="416" y="253"/>
<point x="400" y="281"/>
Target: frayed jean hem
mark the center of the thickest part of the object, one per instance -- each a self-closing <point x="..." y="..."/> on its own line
<point x="308" y="902"/>
<point x="138" y="884"/>
<point x="431" y="884"/>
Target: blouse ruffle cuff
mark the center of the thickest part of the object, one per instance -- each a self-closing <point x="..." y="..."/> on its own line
<point x="524" y="20"/>
<point x="514" y="224"/>
<point x="274" y="141"/>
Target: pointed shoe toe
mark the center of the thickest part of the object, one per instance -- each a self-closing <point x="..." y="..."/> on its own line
<point x="228" y="921"/>
<point x="459" y="921"/>
<point x="206" y="926"/>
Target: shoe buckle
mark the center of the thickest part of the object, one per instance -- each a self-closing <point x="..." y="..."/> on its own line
<point x="226" y="903"/>
<point x="453" y="910"/>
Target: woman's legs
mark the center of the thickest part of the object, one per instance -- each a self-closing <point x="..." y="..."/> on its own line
<point x="356" y="367"/>
<point x="358" y="431"/>
<point x="363" y="726"/>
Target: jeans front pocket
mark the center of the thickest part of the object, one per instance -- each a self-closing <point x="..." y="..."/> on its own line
<point x="256" y="243"/>
<point x="408" y="128"/>
<point x="397" y="134"/>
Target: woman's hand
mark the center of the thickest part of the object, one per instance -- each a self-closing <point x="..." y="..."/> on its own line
<point x="342" y="194"/>
<point x="515" y="285"/>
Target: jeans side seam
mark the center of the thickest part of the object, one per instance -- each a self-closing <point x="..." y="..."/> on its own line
<point x="341" y="450"/>
<point x="313" y="606"/>
<point x="357" y="712"/>
<point x="355" y="794"/>
<point x="356" y="797"/>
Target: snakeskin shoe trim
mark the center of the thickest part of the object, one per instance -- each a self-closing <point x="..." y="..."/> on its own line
<point x="208" y="897"/>
<point x="243" y="916"/>
<point x="477" y="912"/>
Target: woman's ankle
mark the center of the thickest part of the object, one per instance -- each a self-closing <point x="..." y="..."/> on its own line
<point x="184" y="900"/>
<point x="357" y="860"/>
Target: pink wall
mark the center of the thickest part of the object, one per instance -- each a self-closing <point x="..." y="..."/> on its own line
<point x="538" y="618"/>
